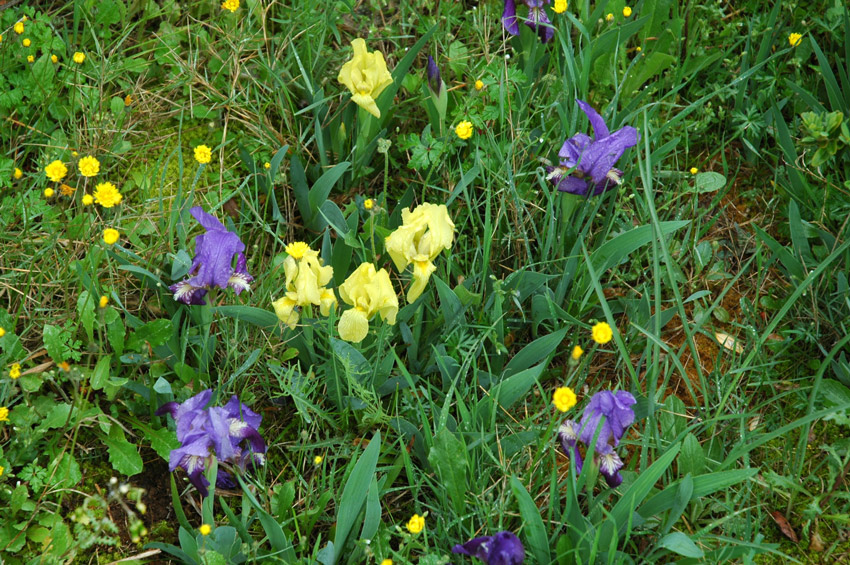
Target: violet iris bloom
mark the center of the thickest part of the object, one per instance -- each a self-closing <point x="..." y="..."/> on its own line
<point x="213" y="262"/>
<point x="435" y="81"/>
<point x="229" y="433"/>
<point x="504" y="548"/>
<point x="593" y="159"/>
<point x="537" y="19"/>
<point x="616" y="409"/>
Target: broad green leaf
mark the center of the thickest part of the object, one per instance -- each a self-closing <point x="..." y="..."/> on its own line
<point x="677" y="542"/>
<point x="638" y="490"/>
<point x="448" y="458"/>
<point x="708" y="182"/>
<point x="256" y="316"/>
<point x="615" y="251"/>
<point x="537" y="351"/>
<point x="533" y="528"/>
<point x="354" y="494"/>
<point x="516" y="386"/>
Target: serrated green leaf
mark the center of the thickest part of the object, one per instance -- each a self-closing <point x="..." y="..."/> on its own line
<point x="154" y="333"/>
<point x="123" y="455"/>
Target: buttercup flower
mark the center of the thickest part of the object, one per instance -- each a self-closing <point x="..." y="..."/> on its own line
<point x="54" y="59"/>
<point x="606" y="416"/>
<point x="110" y="236"/>
<point x="15" y="371"/>
<point x="464" y="130"/>
<point x="49" y="192"/>
<point x="2" y="470"/>
<point x="424" y="233"/>
<point x="17" y="174"/>
<point x="416" y="524"/>
<point x="609" y="18"/>
<point x="694" y="170"/>
<point x="19" y="28"/>
<point x="203" y="154"/>
<point x="231" y="5"/>
<point x="479" y="84"/>
<point x="795" y="39"/>
<point x="560" y="6"/>
<point x="26" y="42"/>
<point x="30" y="59"/>
<point x="267" y="165"/>
<point x="387" y="562"/>
<point x="79" y="58"/>
<point x="537" y="19"/>
<point x="229" y="433"/>
<point x="88" y="199"/>
<point x="317" y="460"/>
<point x="371" y="293"/>
<point x="306" y="279"/>
<point x="503" y="548"/>
<point x="592" y="160"/>
<point x="107" y="195"/>
<point x="627" y="11"/>
<point x="602" y="333"/>
<point x="564" y="398"/>
<point x="89" y="166"/>
<point x="576" y="353"/>
<point x="2" y="332"/>
<point x="366" y="76"/>
<point x="104" y="300"/>
<point x="212" y="265"/>
<point x="4" y="414"/>
<point x="368" y="204"/>
<point x="205" y="529"/>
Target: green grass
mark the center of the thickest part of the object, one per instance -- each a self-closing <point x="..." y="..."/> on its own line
<point x="447" y="413"/>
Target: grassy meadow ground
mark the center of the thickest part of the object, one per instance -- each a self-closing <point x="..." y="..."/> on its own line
<point x="720" y="263"/>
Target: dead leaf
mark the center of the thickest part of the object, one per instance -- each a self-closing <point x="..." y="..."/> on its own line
<point x="784" y="526"/>
<point x="815" y="543"/>
<point x="754" y="423"/>
<point x="729" y="342"/>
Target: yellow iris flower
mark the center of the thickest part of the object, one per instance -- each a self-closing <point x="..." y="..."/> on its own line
<point x="306" y="278"/>
<point x="370" y="292"/>
<point x="366" y="76"/>
<point x="424" y="233"/>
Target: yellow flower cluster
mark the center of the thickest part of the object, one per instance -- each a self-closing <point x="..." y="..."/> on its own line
<point x="366" y="76"/>
<point x="560" y="6"/>
<point x="89" y="166"/>
<point x="110" y="236"/>
<point x="107" y="195"/>
<point x="306" y="279"/>
<point x="371" y="293"/>
<point x="203" y="154"/>
<point x="15" y="371"/>
<point x="424" y="233"/>
<point x="56" y="171"/>
<point x="79" y="58"/>
<point x="231" y="5"/>
<point x="464" y="130"/>
<point x="4" y="414"/>
<point x="602" y="333"/>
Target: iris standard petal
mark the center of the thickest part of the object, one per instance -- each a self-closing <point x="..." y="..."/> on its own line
<point x="509" y="19"/>
<point x="600" y="130"/>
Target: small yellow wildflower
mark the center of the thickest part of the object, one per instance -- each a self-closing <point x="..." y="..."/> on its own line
<point x="627" y="12"/>
<point x="560" y="6"/>
<point x="297" y="249"/>
<point x="317" y="460"/>
<point x="267" y="165"/>
<point x="104" y="300"/>
<point x="49" y="192"/>
<point x="2" y="470"/>
<point x="694" y="170"/>
<point x="128" y="100"/>
<point x="387" y="562"/>
<point x="56" y="171"/>
<point x="27" y="42"/>
<point x="231" y="5"/>
<point x="89" y="166"/>
<point x="464" y="130"/>
<point x="416" y="524"/>
<point x="79" y="57"/>
<point x="74" y="154"/>
<point x="107" y="195"/>
<point x="609" y="18"/>
<point x="30" y="59"/>
<point x="479" y="84"/>
<point x="88" y="199"/>
<point x="110" y="236"/>
<point x="15" y="371"/>
<point x="66" y="190"/>
<point x="1" y="38"/>
<point x="65" y="366"/>
<point x="17" y="174"/>
<point x="203" y="154"/>
<point x="368" y="204"/>
<point x="795" y="39"/>
<point x="4" y="414"/>
<point x="205" y="529"/>
<point x="602" y="333"/>
<point x="54" y="58"/>
<point x="577" y="353"/>
<point x="638" y="49"/>
<point x="564" y="398"/>
<point x="2" y="332"/>
<point x="19" y="28"/>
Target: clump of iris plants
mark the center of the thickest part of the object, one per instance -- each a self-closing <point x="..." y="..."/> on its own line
<point x="212" y="265"/>
<point x="229" y="433"/>
<point x="610" y="413"/>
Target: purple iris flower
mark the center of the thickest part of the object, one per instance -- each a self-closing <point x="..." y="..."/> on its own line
<point x="503" y="548"/>
<point x="537" y="19"/>
<point x="592" y="160"/>
<point x="213" y="262"/>
<point x="616" y="409"/>
<point x="229" y="433"/>
<point x="435" y="81"/>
